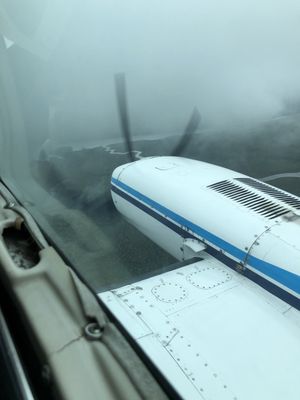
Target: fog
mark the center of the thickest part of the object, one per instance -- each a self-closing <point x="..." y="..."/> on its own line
<point x="237" y="61"/>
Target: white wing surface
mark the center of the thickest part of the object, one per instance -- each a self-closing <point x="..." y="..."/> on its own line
<point x="213" y="333"/>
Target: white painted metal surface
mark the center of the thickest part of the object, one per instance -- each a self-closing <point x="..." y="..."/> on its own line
<point x="177" y="186"/>
<point x="213" y="333"/>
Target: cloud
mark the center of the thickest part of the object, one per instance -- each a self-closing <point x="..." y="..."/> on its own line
<point x="237" y="61"/>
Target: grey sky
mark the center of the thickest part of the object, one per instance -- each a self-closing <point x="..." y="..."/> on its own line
<point x="236" y="60"/>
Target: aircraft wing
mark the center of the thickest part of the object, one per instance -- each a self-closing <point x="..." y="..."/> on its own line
<point x="213" y="333"/>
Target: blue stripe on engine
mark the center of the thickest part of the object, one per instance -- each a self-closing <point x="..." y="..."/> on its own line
<point x="261" y="281"/>
<point x="286" y="278"/>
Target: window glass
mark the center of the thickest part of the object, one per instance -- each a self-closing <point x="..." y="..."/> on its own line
<point x="60" y="138"/>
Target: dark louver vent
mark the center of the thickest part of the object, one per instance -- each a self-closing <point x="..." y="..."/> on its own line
<point x="271" y="191"/>
<point x="249" y="199"/>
